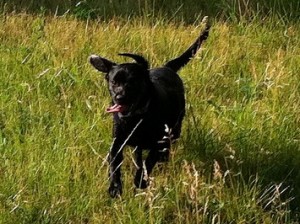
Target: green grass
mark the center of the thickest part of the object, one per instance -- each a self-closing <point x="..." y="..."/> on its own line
<point x="189" y="11"/>
<point x="237" y="160"/>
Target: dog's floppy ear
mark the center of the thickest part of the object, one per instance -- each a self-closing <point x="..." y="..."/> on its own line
<point x="139" y="59"/>
<point x="101" y="64"/>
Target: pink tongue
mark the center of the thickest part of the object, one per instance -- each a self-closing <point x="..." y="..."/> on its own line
<point x="115" y="109"/>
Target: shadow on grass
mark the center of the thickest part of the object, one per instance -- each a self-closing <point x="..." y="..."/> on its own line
<point x="275" y="163"/>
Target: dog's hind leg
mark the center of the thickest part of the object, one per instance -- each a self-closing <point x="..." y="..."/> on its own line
<point x="151" y="160"/>
<point x="164" y="150"/>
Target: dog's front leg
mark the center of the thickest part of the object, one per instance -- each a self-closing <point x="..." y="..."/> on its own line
<point x="115" y="162"/>
<point x="140" y="179"/>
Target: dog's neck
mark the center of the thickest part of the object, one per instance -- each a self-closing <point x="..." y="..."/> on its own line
<point x="144" y="109"/>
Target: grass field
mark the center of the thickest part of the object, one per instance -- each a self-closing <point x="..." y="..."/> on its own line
<point x="237" y="161"/>
<point x="188" y="11"/>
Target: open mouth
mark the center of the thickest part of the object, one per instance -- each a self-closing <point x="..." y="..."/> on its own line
<point x="116" y="108"/>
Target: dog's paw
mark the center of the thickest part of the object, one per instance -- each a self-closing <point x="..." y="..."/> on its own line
<point x="115" y="189"/>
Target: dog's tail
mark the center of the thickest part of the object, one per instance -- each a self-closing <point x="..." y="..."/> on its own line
<point x="177" y="63"/>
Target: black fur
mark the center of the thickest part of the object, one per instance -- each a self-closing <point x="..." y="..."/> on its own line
<point x="148" y="106"/>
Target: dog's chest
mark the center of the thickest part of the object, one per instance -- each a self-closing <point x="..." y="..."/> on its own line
<point x="142" y="131"/>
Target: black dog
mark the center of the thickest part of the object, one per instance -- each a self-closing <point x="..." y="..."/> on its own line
<point x="148" y="106"/>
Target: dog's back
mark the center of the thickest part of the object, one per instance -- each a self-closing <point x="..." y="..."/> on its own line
<point x="169" y="96"/>
<point x="168" y="87"/>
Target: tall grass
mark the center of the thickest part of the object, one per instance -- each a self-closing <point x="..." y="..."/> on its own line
<point x="181" y="10"/>
<point x="237" y="160"/>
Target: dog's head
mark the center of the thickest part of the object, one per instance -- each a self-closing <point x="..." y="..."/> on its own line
<point x="128" y="82"/>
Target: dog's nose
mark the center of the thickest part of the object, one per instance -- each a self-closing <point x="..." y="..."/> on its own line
<point x="120" y="97"/>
